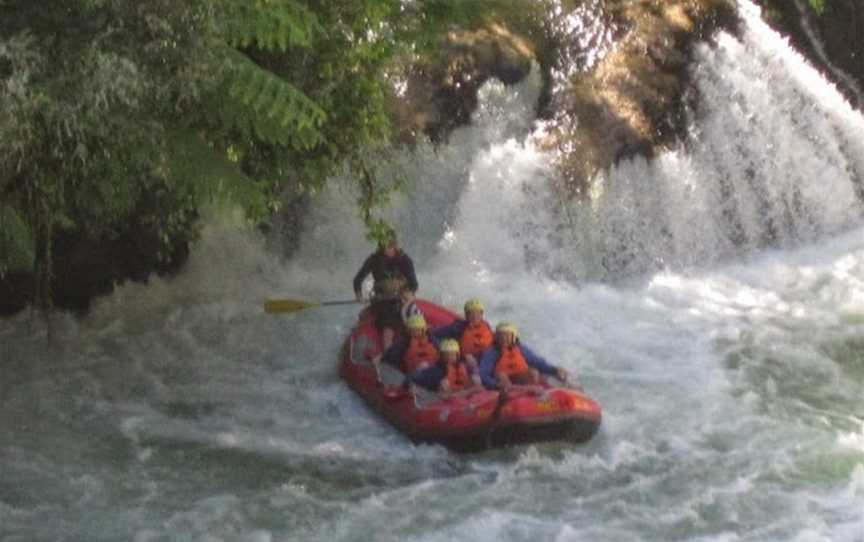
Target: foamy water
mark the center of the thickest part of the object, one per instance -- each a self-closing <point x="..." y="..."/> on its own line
<point x="727" y="350"/>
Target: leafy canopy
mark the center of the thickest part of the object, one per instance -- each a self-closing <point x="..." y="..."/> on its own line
<point x="818" y="6"/>
<point x="119" y="115"/>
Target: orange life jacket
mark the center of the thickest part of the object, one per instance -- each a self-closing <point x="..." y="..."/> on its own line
<point x="476" y="338"/>
<point x="457" y="376"/>
<point x="511" y="362"/>
<point x="420" y="351"/>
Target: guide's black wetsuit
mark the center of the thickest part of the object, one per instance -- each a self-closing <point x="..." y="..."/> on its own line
<point x="385" y="304"/>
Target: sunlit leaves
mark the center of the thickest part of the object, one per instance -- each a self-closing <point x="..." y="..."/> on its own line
<point x="81" y="120"/>
<point x="818" y="6"/>
<point x="118" y="115"/>
<point x="269" y="107"/>
<point x="269" y="24"/>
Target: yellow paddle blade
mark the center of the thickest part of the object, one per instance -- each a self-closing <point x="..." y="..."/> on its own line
<point x="287" y="305"/>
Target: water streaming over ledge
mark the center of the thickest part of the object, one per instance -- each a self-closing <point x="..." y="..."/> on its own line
<point x="712" y="300"/>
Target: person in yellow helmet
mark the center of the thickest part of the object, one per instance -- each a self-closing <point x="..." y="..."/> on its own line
<point x="408" y="301"/>
<point x="510" y="362"/>
<point x="418" y="351"/>
<point x="451" y="373"/>
<point x="473" y="332"/>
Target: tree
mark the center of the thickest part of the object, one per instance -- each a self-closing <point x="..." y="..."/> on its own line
<point x="88" y="89"/>
<point x="112" y="110"/>
<point x="117" y="114"/>
<point x="818" y="6"/>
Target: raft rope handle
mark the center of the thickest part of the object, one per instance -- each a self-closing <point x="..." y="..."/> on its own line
<point x="568" y="384"/>
<point x="422" y="397"/>
<point x="503" y="397"/>
<point x="378" y="377"/>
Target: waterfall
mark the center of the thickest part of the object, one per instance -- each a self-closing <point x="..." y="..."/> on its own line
<point x="774" y="157"/>
<point x="711" y="299"/>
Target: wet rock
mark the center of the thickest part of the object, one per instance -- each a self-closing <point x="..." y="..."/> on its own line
<point x="831" y="41"/>
<point x="441" y="94"/>
<point x="632" y="101"/>
<point x="85" y="269"/>
<point x="14" y="289"/>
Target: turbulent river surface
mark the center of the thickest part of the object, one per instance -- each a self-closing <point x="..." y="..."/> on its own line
<point x="712" y="300"/>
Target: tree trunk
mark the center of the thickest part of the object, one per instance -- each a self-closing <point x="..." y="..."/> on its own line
<point x="43" y="269"/>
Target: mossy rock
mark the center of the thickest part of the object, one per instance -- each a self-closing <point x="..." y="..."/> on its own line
<point x="632" y="102"/>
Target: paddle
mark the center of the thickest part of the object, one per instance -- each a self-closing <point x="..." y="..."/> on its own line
<point x="503" y="396"/>
<point x="292" y="305"/>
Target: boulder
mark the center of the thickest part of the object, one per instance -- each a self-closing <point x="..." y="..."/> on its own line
<point x="831" y="41"/>
<point x="632" y="100"/>
<point x="85" y="268"/>
<point x="440" y="94"/>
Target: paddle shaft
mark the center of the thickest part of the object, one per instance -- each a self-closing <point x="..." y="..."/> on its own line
<point x="496" y="414"/>
<point x="293" y="305"/>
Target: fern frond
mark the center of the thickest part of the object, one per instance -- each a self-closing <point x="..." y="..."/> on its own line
<point x="211" y="177"/>
<point x="260" y="103"/>
<point x="271" y="25"/>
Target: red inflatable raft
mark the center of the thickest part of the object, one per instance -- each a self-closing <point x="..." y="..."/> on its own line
<point x="466" y="421"/>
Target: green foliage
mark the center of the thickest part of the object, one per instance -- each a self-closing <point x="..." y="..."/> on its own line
<point x="261" y="105"/>
<point x="87" y="90"/>
<point x="379" y="231"/>
<point x="425" y="23"/>
<point x="818" y="6"/>
<point x="269" y="25"/>
<point x="303" y="98"/>
<point x="16" y="253"/>
<point x="118" y="115"/>
<point x="212" y="177"/>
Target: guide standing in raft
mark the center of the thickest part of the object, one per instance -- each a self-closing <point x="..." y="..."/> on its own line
<point x="391" y="270"/>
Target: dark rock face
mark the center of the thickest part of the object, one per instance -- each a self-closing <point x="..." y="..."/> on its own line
<point x="14" y="289"/>
<point x="441" y="95"/>
<point x="85" y="269"/>
<point x="832" y="41"/>
<point x="632" y="102"/>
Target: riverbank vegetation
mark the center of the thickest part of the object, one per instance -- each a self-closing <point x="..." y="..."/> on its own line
<point x="119" y="119"/>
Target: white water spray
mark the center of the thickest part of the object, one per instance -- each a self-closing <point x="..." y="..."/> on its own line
<point x="731" y="379"/>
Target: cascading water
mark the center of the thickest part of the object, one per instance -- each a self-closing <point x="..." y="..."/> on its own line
<point x="711" y="299"/>
<point x="775" y="157"/>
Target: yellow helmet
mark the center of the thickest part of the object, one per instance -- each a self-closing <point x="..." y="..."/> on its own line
<point x="474" y="304"/>
<point x="449" y="345"/>
<point x="416" y="321"/>
<point x="507" y="327"/>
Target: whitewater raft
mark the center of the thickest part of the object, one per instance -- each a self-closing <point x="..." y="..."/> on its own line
<point x="466" y="421"/>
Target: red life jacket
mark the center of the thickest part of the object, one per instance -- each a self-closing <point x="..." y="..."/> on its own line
<point x="420" y="352"/>
<point x="511" y="362"/>
<point x="457" y="376"/>
<point x="476" y="338"/>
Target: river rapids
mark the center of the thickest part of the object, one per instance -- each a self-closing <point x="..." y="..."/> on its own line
<point x="711" y="299"/>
